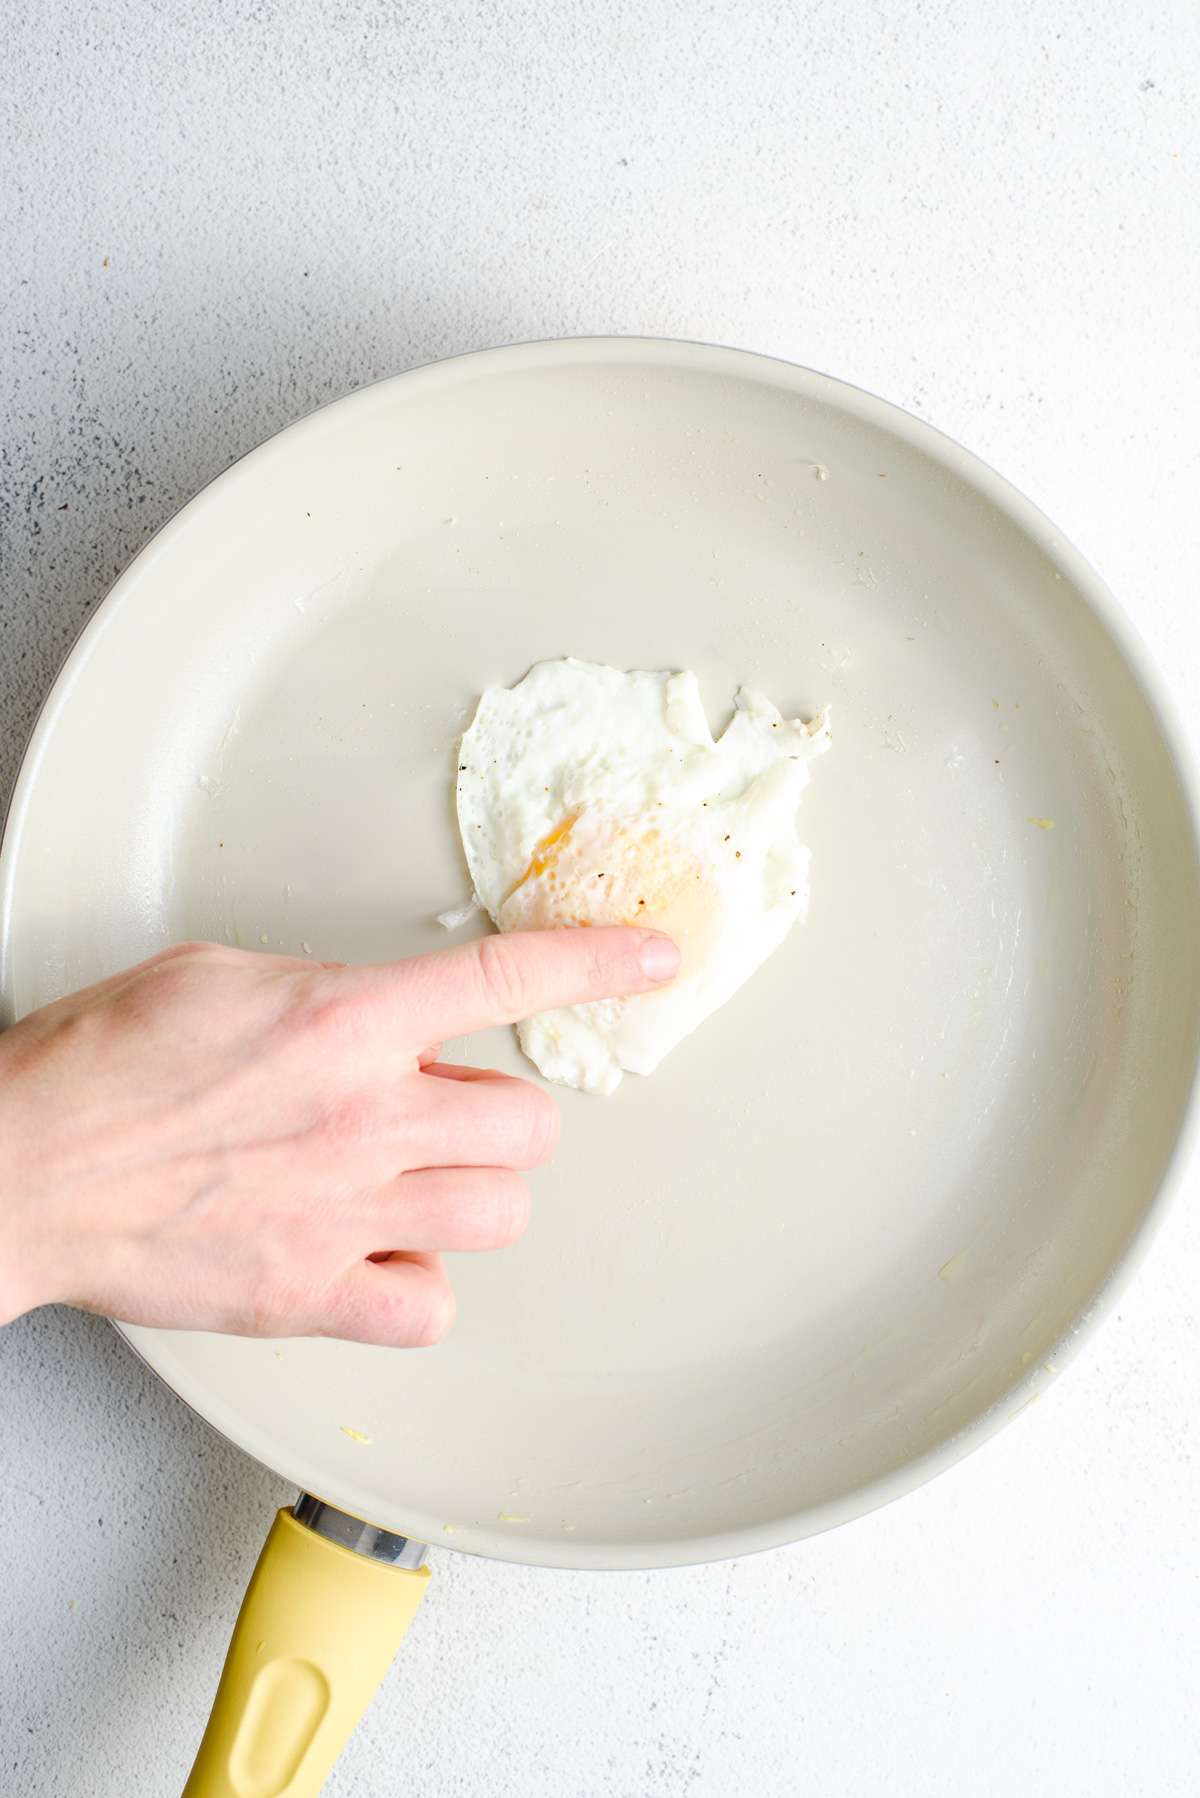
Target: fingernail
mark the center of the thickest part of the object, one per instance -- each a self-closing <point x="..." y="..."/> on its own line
<point x="659" y="958"/>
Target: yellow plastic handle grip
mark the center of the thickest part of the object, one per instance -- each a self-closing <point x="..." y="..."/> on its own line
<point x="316" y="1633"/>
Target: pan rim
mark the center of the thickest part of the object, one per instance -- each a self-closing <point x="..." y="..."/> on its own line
<point x="1119" y="630"/>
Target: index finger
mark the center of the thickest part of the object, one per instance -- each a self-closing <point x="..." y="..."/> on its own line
<point x="502" y="979"/>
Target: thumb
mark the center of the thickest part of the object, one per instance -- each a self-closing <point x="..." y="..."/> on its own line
<point x="501" y="979"/>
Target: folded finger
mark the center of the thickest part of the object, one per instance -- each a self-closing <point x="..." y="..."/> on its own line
<point x="453" y="1208"/>
<point x="472" y="1118"/>
<point x="403" y="1302"/>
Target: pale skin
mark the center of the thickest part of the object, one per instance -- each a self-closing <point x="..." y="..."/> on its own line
<point x="216" y="1140"/>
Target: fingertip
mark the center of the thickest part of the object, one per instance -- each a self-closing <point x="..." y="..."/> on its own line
<point x="546" y="1124"/>
<point x="512" y="1210"/>
<point x="658" y="957"/>
<point x="503" y="978"/>
<point x="440" y="1313"/>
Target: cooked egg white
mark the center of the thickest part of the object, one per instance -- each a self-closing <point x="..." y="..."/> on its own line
<point x="588" y="796"/>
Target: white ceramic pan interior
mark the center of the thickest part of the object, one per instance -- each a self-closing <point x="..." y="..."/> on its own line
<point x="845" y="1228"/>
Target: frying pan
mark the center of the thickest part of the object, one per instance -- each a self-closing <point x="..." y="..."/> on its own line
<point x="857" y="1220"/>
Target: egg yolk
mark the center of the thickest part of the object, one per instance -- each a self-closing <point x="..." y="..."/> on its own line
<point x="545" y="857"/>
<point x="578" y="878"/>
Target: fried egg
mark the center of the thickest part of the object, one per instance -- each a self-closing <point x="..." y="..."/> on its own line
<point x="588" y="796"/>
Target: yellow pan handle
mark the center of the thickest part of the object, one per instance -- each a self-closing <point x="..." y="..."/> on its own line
<point x="316" y="1633"/>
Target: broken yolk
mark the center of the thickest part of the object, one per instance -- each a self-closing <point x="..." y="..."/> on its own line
<point x="546" y="854"/>
<point x="578" y="878"/>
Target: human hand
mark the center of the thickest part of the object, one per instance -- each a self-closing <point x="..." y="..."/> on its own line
<point x="218" y="1140"/>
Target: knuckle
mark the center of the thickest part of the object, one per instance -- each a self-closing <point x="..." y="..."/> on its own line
<point x="506" y="1210"/>
<point x="539" y="1123"/>
<point x="599" y="963"/>
<point x="255" y="1318"/>
<point x="173" y="974"/>
<point x="353" y="1119"/>
<point x="194" y="949"/>
<point x="282" y="1293"/>
<point x="500" y="975"/>
<point x="167" y="984"/>
<point x="342" y="1314"/>
<point x="266" y="1311"/>
<point x="325" y="1010"/>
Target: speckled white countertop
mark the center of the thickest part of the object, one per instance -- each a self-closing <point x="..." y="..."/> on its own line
<point x="989" y="213"/>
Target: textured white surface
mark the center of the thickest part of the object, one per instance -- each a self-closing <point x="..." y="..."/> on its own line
<point x="989" y="214"/>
